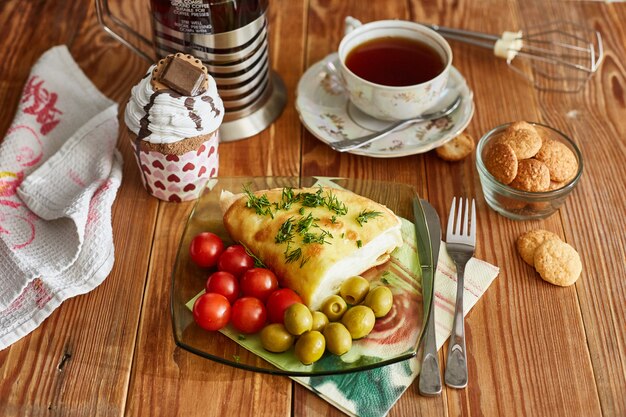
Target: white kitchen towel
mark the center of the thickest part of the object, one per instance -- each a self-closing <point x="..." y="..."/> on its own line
<point x="59" y="174"/>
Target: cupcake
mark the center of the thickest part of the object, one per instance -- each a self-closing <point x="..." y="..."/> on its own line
<point x="173" y="116"/>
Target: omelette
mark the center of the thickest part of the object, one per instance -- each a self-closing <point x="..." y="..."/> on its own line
<point x="312" y="238"/>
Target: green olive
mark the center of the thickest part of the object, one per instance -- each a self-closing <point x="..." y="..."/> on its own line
<point x="310" y="347"/>
<point x="359" y="320"/>
<point x="319" y="321"/>
<point x="338" y="338"/>
<point x="298" y="319"/>
<point x="380" y="300"/>
<point x="354" y="289"/>
<point x="275" y="338"/>
<point x="334" y="307"/>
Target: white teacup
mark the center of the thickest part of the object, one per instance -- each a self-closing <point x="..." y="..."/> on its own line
<point x="389" y="102"/>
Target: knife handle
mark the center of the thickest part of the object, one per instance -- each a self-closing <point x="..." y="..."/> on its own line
<point x="430" y="377"/>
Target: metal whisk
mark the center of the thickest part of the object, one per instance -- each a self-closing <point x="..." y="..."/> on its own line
<point x="562" y="55"/>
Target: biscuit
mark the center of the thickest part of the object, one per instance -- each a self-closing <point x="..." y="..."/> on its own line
<point x="521" y="125"/>
<point x="555" y="185"/>
<point x="501" y="162"/>
<point x="559" y="159"/>
<point x="456" y="149"/>
<point x="156" y="82"/>
<point x="510" y="204"/>
<point x="527" y="243"/>
<point x="532" y="175"/>
<point x="539" y="207"/>
<point x="558" y="263"/>
<point x="525" y="140"/>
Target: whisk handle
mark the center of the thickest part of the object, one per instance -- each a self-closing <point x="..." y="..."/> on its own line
<point x="506" y="46"/>
<point x="461" y="33"/>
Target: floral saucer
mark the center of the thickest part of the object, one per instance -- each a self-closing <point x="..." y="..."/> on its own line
<point x="328" y="114"/>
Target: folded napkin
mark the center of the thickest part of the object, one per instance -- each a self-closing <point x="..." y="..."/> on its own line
<point x="59" y="174"/>
<point x="373" y="393"/>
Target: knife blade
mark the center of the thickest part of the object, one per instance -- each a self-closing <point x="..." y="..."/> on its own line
<point x="430" y="376"/>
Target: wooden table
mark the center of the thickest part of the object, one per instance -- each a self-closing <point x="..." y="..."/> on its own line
<point x="534" y="349"/>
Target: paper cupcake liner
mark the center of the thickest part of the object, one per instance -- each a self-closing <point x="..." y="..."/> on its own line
<point x="177" y="178"/>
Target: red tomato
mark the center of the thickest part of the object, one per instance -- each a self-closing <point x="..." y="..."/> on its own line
<point x="211" y="311"/>
<point x="258" y="283"/>
<point x="278" y="302"/>
<point x="235" y="260"/>
<point x="248" y="315"/>
<point x="205" y="249"/>
<point x="225" y="283"/>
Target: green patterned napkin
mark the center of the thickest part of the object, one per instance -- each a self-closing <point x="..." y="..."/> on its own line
<point x="373" y="393"/>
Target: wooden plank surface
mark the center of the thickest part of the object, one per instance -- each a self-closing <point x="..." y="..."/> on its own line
<point x="533" y="349"/>
<point x="593" y="220"/>
<point x="78" y="362"/>
<point x="326" y="28"/>
<point x="164" y="376"/>
<point x="519" y="308"/>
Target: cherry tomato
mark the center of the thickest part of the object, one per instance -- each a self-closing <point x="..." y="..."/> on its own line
<point x="248" y="315"/>
<point x="225" y="283"/>
<point x="258" y="283"/>
<point x="211" y="311"/>
<point x="278" y="302"/>
<point x="235" y="260"/>
<point x="205" y="249"/>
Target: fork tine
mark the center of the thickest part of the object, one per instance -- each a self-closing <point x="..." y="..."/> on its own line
<point x="473" y="226"/>
<point x="465" y="212"/>
<point x="459" y="218"/>
<point x="451" y="219"/>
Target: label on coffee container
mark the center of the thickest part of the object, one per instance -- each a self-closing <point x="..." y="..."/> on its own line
<point x="192" y="16"/>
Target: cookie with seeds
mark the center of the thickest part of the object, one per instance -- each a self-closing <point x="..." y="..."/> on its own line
<point x="558" y="263"/>
<point x="559" y="159"/>
<point x="532" y="175"/>
<point x="528" y="242"/>
<point x="523" y="138"/>
<point x="501" y="162"/>
<point x="456" y="149"/>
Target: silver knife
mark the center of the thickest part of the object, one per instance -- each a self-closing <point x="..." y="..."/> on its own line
<point x="430" y="376"/>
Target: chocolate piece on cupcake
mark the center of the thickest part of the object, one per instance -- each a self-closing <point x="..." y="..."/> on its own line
<point x="173" y="116"/>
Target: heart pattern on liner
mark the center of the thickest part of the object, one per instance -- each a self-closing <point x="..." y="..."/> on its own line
<point x="179" y="177"/>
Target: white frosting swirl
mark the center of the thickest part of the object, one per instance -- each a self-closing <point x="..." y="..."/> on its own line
<point x="170" y="120"/>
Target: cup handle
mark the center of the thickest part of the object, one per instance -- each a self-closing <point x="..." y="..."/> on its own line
<point x="102" y="11"/>
<point x="350" y="24"/>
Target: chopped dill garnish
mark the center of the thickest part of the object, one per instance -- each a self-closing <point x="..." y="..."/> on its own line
<point x="385" y="281"/>
<point x="287" y="198"/>
<point x="385" y="273"/>
<point x="301" y="211"/>
<point x="333" y="204"/>
<point x="333" y="219"/>
<point x="359" y="244"/>
<point x="258" y="263"/>
<point x="241" y="337"/>
<point x="285" y="232"/>
<point x="365" y="215"/>
<point x="303" y="261"/>
<point x="305" y="223"/>
<point x="343" y="235"/>
<point x="261" y="205"/>
<point x="309" y="237"/>
<point x="313" y="200"/>
<point x="294" y="255"/>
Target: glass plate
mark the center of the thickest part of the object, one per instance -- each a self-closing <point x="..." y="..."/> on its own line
<point x="395" y="337"/>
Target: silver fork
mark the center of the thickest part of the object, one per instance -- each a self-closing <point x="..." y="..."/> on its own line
<point x="460" y="242"/>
